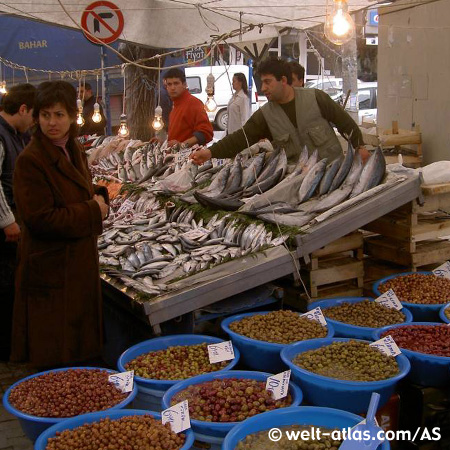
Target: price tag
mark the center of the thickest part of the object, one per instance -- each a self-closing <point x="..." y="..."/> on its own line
<point x="178" y="417"/>
<point x="223" y="351"/>
<point x="279" y="384"/>
<point x="183" y="154"/>
<point x="317" y="315"/>
<point x="390" y="300"/>
<point x="196" y="233"/>
<point x="122" y="381"/>
<point x="443" y="270"/>
<point x="387" y="346"/>
<point x="126" y="205"/>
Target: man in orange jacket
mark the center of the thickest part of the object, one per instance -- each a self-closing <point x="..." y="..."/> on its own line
<point x="188" y="121"/>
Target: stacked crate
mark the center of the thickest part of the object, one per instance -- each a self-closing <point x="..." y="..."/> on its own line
<point x="395" y="141"/>
<point x="412" y="237"/>
<point x="336" y="270"/>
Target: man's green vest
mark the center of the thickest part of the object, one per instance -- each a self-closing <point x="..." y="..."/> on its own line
<point x="312" y="129"/>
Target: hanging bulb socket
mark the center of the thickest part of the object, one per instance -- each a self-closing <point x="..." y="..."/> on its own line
<point x="210" y="104"/>
<point x="96" y="117"/>
<point x="3" y="89"/>
<point x="123" y="128"/>
<point x="339" y="25"/>
<point x="158" y="122"/>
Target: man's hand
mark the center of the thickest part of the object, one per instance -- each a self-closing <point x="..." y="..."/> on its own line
<point x="365" y="155"/>
<point x="12" y="232"/>
<point x="172" y="143"/>
<point x="200" y="156"/>
<point x="104" y="208"/>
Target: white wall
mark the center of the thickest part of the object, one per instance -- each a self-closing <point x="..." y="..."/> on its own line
<point x="414" y="72"/>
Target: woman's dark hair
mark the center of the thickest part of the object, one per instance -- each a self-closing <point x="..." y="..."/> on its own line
<point x="50" y="93"/>
<point x="241" y="77"/>
<point x="277" y="67"/>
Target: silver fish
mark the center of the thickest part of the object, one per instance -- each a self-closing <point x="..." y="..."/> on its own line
<point x="344" y="169"/>
<point x="311" y="181"/>
<point x="329" y="176"/>
<point x="371" y="174"/>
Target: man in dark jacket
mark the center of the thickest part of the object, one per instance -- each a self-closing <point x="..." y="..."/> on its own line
<point x="15" y="120"/>
<point x="90" y="127"/>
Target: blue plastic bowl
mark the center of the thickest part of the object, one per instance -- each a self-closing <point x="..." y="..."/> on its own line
<point x="426" y="370"/>
<point x="353" y="396"/>
<point x="259" y="355"/>
<point x="442" y="315"/>
<point x="420" y="312"/>
<point x="33" y="426"/>
<point x="300" y="415"/>
<point x="210" y="431"/>
<point x="151" y="391"/>
<point x="342" y="329"/>
<point x="74" y="422"/>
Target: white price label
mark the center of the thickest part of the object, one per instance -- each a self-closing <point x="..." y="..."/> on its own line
<point x="279" y="384"/>
<point x="390" y="300"/>
<point x="443" y="270"/>
<point x="122" y="381"/>
<point x="387" y="346"/>
<point x="218" y="162"/>
<point x="317" y="315"/>
<point x="182" y="155"/>
<point x="196" y="233"/>
<point x="126" y="205"/>
<point x="178" y="417"/>
<point x="222" y="351"/>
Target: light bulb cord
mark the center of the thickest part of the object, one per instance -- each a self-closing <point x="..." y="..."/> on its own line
<point x="124" y="90"/>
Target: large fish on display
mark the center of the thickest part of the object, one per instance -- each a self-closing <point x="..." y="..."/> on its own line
<point x="372" y="173"/>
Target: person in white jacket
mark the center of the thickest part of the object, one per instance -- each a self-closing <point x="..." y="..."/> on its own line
<point x="239" y="104"/>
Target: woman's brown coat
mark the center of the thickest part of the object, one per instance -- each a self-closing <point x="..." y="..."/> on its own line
<point x="57" y="310"/>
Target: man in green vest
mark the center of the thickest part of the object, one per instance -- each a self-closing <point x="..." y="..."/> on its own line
<point x="292" y="118"/>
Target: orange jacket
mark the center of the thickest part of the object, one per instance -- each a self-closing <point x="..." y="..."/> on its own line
<point x="188" y="118"/>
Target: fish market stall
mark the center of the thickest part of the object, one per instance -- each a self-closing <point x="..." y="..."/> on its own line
<point x="181" y="237"/>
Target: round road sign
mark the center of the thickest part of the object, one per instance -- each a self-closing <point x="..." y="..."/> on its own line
<point x="103" y="20"/>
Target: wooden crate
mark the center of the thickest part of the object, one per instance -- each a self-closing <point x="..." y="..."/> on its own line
<point x="395" y="141"/>
<point x="426" y="252"/>
<point x="414" y="223"/>
<point x="336" y="264"/>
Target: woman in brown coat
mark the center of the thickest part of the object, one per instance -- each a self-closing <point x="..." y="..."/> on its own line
<point x="57" y="310"/>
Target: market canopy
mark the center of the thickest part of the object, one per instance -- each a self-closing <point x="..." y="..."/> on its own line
<point x="184" y="23"/>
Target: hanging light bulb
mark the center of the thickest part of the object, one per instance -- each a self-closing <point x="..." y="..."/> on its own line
<point x="123" y="128"/>
<point x="96" y="117"/>
<point x="3" y="89"/>
<point x="339" y="25"/>
<point x="80" y="118"/>
<point x="158" y="122"/>
<point x="210" y="104"/>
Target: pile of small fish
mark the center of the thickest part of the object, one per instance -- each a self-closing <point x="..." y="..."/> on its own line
<point x="146" y="164"/>
<point x="147" y="246"/>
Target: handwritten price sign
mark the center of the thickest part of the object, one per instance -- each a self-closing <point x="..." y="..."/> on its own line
<point x="390" y="300"/>
<point x="443" y="270"/>
<point x="122" y="381"/>
<point x="223" y="351"/>
<point x="317" y="315"/>
<point x="178" y="417"/>
<point x="387" y="346"/>
<point x="279" y="384"/>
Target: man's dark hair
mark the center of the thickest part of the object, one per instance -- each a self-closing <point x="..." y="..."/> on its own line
<point x="21" y="94"/>
<point x="87" y="87"/>
<point x="298" y="69"/>
<point x="51" y="92"/>
<point x="277" y="67"/>
<point x="175" y="73"/>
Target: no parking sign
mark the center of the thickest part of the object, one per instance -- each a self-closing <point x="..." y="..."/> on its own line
<point x="103" y="20"/>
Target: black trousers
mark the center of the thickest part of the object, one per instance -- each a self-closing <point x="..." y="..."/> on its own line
<point x="8" y="258"/>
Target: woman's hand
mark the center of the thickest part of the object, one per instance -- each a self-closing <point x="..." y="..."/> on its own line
<point x="104" y="208"/>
